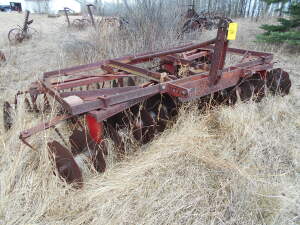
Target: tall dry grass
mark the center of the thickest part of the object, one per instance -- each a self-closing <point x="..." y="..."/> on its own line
<point x="230" y="165"/>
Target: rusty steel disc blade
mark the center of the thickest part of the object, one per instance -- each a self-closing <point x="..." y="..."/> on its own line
<point x="7" y="116"/>
<point x="159" y="112"/>
<point x="144" y="128"/>
<point x="34" y="107"/>
<point x="171" y="105"/>
<point x="278" y="81"/>
<point x="81" y="142"/>
<point x="97" y="156"/>
<point x="137" y="129"/>
<point x="104" y="148"/>
<point x="245" y="90"/>
<point x="162" y="119"/>
<point x="116" y="138"/>
<point x="114" y="83"/>
<point x="46" y="103"/>
<point x="28" y="105"/>
<point x="131" y="82"/>
<point x="78" y="141"/>
<point x="220" y="97"/>
<point x="258" y="88"/>
<point x="150" y="126"/>
<point x="60" y="135"/>
<point x="232" y="97"/>
<point x="65" y="164"/>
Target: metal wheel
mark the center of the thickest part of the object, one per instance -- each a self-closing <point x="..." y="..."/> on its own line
<point x="258" y="87"/>
<point x="16" y="35"/>
<point x="79" y="24"/>
<point x="191" y="25"/>
<point x="86" y="22"/>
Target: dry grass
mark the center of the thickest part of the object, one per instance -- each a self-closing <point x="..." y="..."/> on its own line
<point x="232" y="165"/>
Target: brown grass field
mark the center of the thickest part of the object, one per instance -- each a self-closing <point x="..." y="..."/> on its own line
<point x="231" y="165"/>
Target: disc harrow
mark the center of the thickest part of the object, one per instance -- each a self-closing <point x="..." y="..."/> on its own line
<point x="82" y="23"/>
<point x="103" y="100"/>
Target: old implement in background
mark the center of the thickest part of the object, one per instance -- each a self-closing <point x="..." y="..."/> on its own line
<point x="103" y="100"/>
<point x="81" y="23"/>
<point x="19" y="34"/>
<point x="203" y="21"/>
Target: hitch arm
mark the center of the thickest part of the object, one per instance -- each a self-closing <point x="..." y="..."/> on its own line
<point x="219" y="55"/>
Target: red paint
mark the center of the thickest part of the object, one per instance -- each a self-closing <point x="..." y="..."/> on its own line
<point x="170" y="68"/>
<point x="95" y="128"/>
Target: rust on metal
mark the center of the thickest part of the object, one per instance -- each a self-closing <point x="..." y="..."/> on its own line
<point x="116" y="138"/>
<point x="193" y="21"/>
<point x="66" y="166"/>
<point x="123" y="94"/>
<point x="78" y="141"/>
<point x="89" y="6"/>
<point x="80" y="23"/>
<point x="18" y="34"/>
<point x="2" y="57"/>
<point x="7" y="116"/>
<point x="278" y="81"/>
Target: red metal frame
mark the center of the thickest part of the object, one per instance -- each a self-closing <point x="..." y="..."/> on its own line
<point x="106" y="102"/>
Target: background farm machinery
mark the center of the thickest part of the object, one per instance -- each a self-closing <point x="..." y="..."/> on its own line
<point x="19" y="34"/>
<point x="102" y="100"/>
<point x="199" y="21"/>
<point x="92" y="21"/>
<point x="204" y="21"/>
<point x="80" y="23"/>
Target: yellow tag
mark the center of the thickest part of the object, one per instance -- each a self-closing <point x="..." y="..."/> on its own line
<point x="232" y="30"/>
